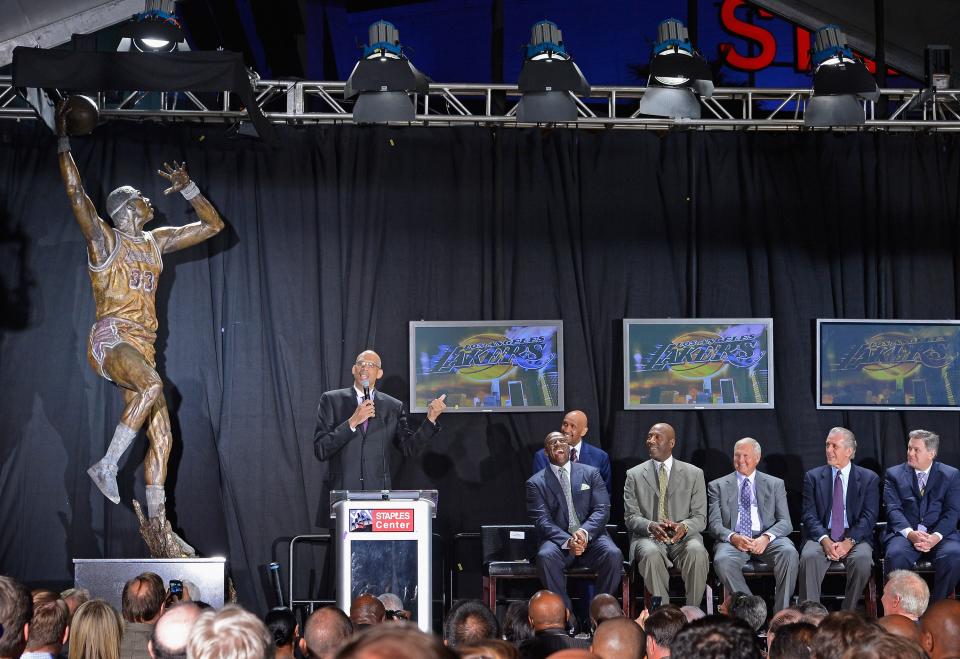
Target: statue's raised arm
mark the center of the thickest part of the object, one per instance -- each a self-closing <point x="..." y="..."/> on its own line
<point x="98" y="234"/>
<point x="170" y="239"/>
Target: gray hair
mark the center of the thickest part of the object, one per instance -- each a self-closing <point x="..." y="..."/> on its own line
<point x="752" y="609"/>
<point x="913" y="591"/>
<point x="391" y="602"/>
<point x="930" y="439"/>
<point x="848" y="437"/>
<point x="230" y="633"/>
<point x="751" y="441"/>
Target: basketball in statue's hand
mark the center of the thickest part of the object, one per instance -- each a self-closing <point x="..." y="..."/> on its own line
<point x="81" y="115"/>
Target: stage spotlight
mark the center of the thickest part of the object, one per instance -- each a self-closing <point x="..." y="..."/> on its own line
<point x="153" y="31"/>
<point x="839" y="81"/>
<point x="678" y="75"/>
<point x="383" y="79"/>
<point x="547" y="79"/>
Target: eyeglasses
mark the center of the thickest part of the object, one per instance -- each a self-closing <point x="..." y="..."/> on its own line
<point x="361" y="364"/>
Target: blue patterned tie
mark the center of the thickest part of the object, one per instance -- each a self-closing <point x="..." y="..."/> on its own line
<point x="922" y="482"/>
<point x="836" y="513"/>
<point x="744" y="526"/>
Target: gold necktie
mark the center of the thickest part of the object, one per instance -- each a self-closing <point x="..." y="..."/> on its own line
<point x="662" y="505"/>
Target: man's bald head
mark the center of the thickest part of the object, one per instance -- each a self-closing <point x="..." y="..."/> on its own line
<point x="170" y="634"/>
<point x="901" y="626"/>
<point x="619" y="638"/>
<point x="366" y="610"/>
<point x="605" y="607"/>
<point x="940" y="629"/>
<point x="547" y="611"/>
<point x="574" y="426"/>
<point x="325" y="630"/>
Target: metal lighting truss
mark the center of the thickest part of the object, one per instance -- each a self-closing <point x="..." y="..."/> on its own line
<point x="306" y="102"/>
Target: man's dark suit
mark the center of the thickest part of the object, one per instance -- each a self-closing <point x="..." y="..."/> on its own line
<point x="723" y="501"/>
<point x="360" y="459"/>
<point x="938" y="510"/>
<point x="547" y="507"/>
<point x="589" y="455"/>
<point x="863" y="507"/>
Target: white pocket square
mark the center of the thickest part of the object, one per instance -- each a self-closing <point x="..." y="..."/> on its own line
<point x="584" y="486"/>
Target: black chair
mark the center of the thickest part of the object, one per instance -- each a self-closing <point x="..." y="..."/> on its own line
<point x="510" y="552"/>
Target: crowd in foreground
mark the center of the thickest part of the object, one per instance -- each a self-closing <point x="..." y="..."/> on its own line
<point x="156" y="624"/>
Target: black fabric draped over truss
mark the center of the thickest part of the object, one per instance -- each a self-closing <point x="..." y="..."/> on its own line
<point x="340" y="235"/>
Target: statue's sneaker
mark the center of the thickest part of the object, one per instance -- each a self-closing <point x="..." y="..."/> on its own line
<point x="104" y="476"/>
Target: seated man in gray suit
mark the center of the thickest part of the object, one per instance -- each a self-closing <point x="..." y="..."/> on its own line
<point x="665" y="509"/>
<point x="749" y="518"/>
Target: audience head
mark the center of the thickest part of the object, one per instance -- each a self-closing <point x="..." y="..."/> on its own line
<point x="470" y="623"/>
<point x="492" y="648"/>
<point x="282" y="625"/>
<point x="229" y="633"/>
<point x="74" y="597"/>
<point x="885" y="646"/>
<point x="792" y="641"/>
<point x="779" y="619"/>
<point x="619" y="638"/>
<point x="393" y="607"/>
<point x="142" y="598"/>
<point x="516" y="622"/>
<point x="400" y="641"/>
<point x="547" y="611"/>
<point x="16" y="609"/>
<point x="170" y="634"/>
<point x="716" y="637"/>
<point x="905" y="593"/>
<point x="752" y="609"/>
<point x="573" y="653"/>
<point x="692" y="612"/>
<point x="48" y="626"/>
<point x="661" y="628"/>
<point x="366" y="610"/>
<point x="899" y="625"/>
<point x="940" y="629"/>
<point x="813" y="612"/>
<point x="95" y="631"/>
<point x="841" y="631"/>
<point x="324" y="631"/>
<point x="604" y="607"/>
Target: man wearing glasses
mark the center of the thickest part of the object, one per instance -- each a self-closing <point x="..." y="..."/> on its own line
<point x="356" y="425"/>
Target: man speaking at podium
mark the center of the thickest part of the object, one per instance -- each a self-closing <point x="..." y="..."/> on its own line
<point x="356" y="425"/>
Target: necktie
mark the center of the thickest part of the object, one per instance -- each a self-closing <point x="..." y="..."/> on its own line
<point x="662" y="504"/>
<point x="573" y="455"/>
<point x="571" y="511"/>
<point x="836" y="515"/>
<point x="922" y="482"/>
<point x="744" y="525"/>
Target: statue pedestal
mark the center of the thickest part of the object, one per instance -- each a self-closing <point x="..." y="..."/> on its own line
<point x="105" y="577"/>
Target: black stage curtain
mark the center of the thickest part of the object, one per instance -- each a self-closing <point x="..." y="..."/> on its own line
<point x="341" y="235"/>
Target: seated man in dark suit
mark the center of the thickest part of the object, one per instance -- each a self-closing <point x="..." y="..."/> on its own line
<point x="841" y="502"/>
<point x="748" y="517"/>
<point x="569" y="505"/>
<point x="923" y="504"/>
<point x="574" y="428"/>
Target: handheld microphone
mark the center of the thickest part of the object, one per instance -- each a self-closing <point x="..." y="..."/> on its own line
<point x="365" y="383"/>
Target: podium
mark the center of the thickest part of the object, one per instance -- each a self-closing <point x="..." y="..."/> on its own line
<point x="385" y="545"/>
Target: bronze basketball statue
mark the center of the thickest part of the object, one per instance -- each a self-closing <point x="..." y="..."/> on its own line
<point x="124" y="263"/>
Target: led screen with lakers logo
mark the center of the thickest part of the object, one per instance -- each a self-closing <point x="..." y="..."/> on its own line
<point x="698" y="363"/>
<point x="888" y="364"/>
<point x="487" y="366"/>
